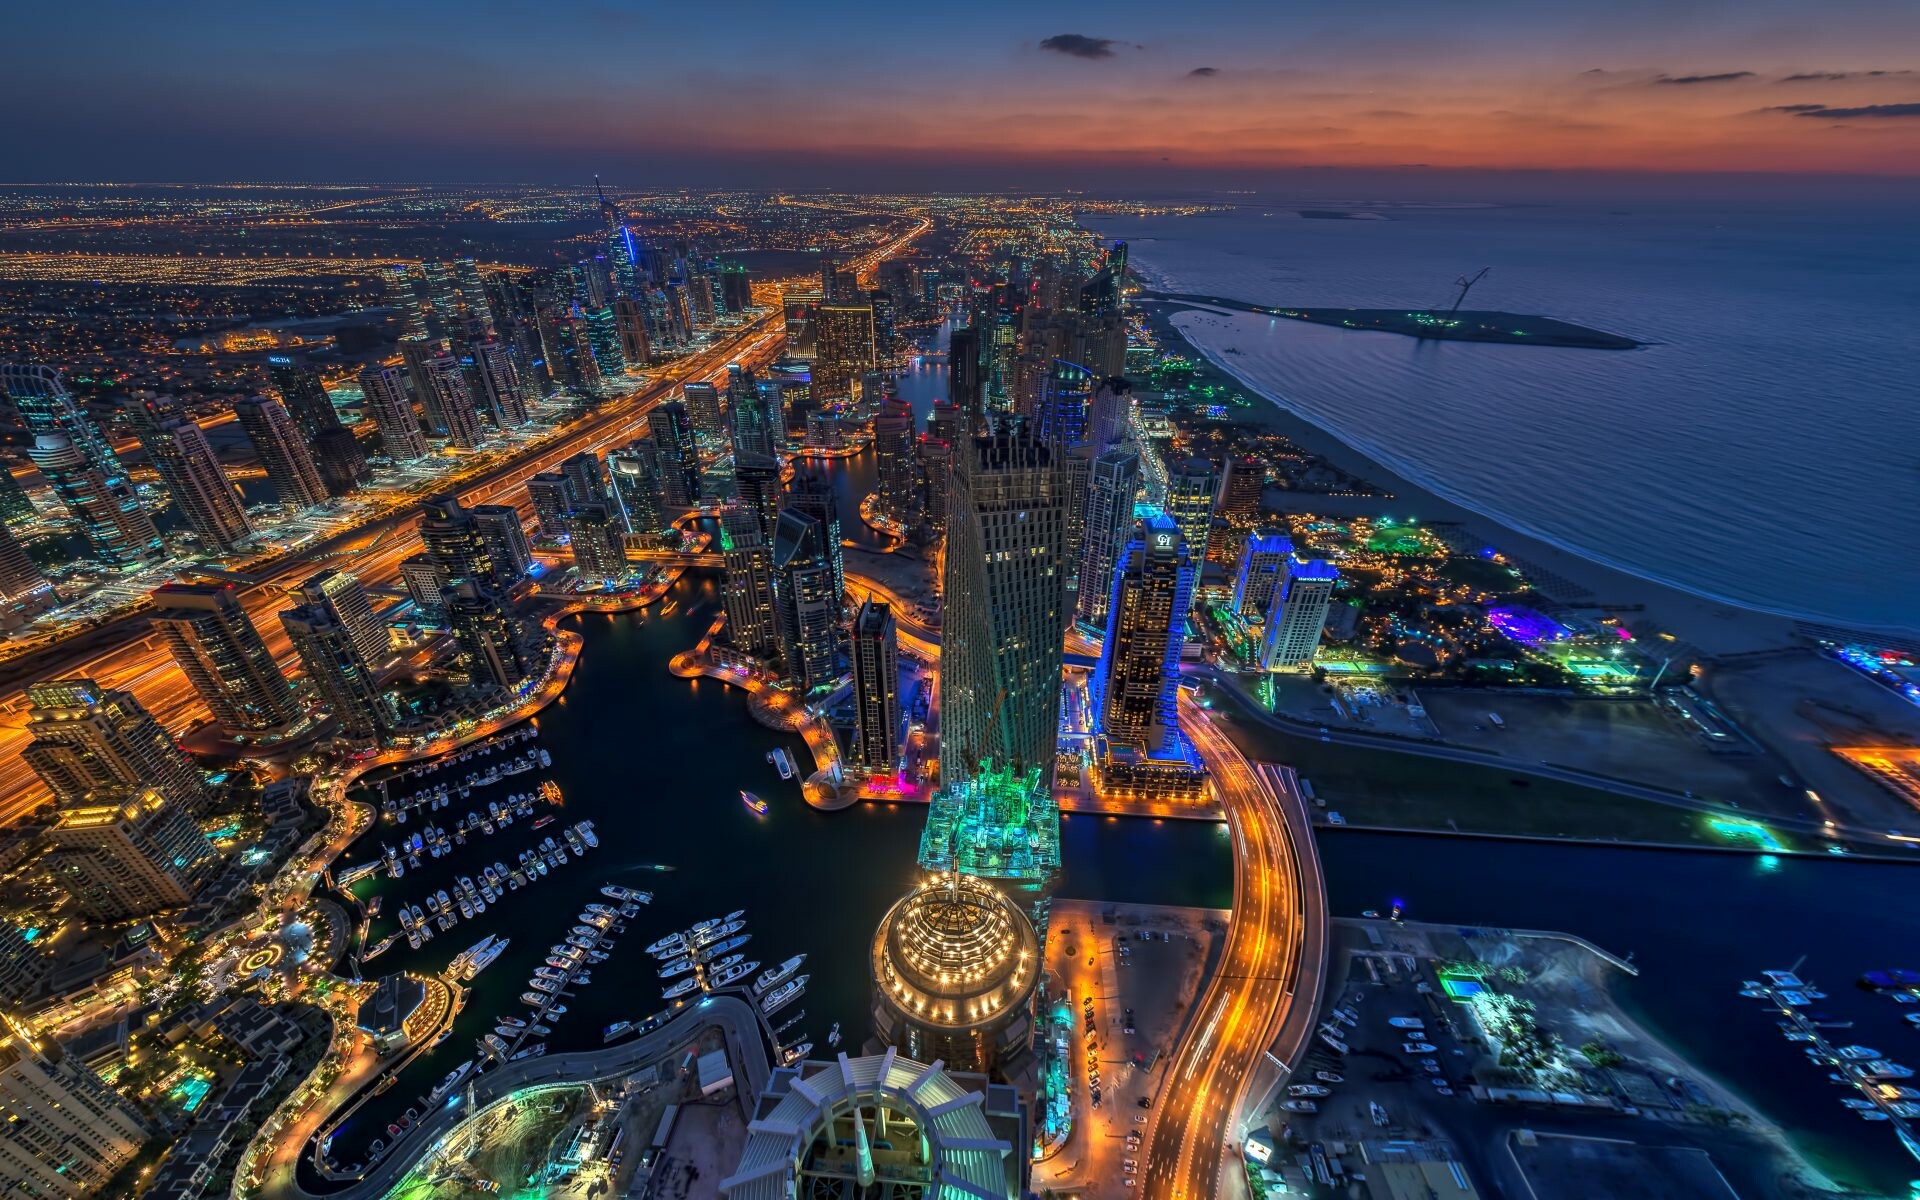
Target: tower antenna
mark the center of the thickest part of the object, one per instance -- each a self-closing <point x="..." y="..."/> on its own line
<point x="1465" y="284"/>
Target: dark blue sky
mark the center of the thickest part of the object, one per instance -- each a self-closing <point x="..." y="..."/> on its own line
<point x="883" y="94"/>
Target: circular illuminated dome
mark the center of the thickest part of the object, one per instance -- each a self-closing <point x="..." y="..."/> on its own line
<point x="956" y="954"/>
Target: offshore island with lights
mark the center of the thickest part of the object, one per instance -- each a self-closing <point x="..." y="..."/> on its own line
<point x="1451" y="325"/>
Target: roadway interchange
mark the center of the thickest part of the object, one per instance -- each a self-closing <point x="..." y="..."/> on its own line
<point x="1262" y="997"/>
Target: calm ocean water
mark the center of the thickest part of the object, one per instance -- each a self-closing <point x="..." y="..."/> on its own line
<point x="1765" y="450"/>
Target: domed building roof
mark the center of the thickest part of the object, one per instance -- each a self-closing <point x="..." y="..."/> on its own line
<point x="956" y="953"/>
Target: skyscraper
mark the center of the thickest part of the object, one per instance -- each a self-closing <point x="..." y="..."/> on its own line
<point x="806" y="606"/>
<point x="552" y="499"/>
<point x="1004" y="586"/>
<point x="1135" y="683"/>
<point x="751" y="621"/>
<point x="966" y="386"/>
<point x="585" y="484"/>
<point x="752" y="423"/>
<point x="103" y="503"/>
<point x="392" y="413"/>
<point x="672" y="433"/>
<point x="276" y="439"/>
<point x="1240" y="490"/>
<point x="897" y="462"/>
<point x="45" y="406"/>
<point x="24" y="591"/>
<point x="341" y="460"/>
<point x="100" y="499"/>
<point x="1107" y="414"/>
<point x="418" y="354"/>
<point x="184" y="459"/>
<point x="346" y="599"/>
<point x="454" y="397"/>
<point x="756" y="479"/>
<point x="630" y="322"/>
<point x="16" y="507"/>
<point x="451" y="540"/>
<point x="425" y="585"/>
<point x="68" y="1133"/>
<point x="126" y="855"/>
<point x="876" y="688"/>
<point x="505" y="539"/>
<point x="814" y="495"/>
<point x="1066" y="396"/>
<point x="1112" y="483"/>
<point x="599" y="547"/>
<point x="1298" y="613"/>
<point x="338" y="670"/>
<point x="844" y="349"/>
<point x="87" y="738"/>
<point x="220" y="652"/>
<point x="1262" y="564"/>
<point x="1191" y="484"/>
<point x="635" y="473"/>
<point x="703" y="409"/>
<point x="490" y="642"/>
<point x="495" y="384"/>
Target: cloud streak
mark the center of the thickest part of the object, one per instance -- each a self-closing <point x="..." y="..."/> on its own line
<point x="1203" y="72"/>
<point x="1079" y="45"/>
<point x="1832" y="76"/>
<point x="1864" y="111"/>
<point x="1722" y="77"/>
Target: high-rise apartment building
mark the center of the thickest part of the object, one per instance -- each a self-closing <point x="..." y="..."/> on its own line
<point x="386" y="400"/>
<point x="756" y="481"/>
<point x="806" y="606"/>
<point x="68" y="1133"/>
<point x="1065" y="403"/>
<point x="752" y="623"/>
<point x="597" y="536"/>
<point x="876" y="688"/>
<point x="505" y="539"/>
<point x="552" y="498"/>
<point x="1298" y="613"/>
<point x="184" y="459"/>
<point x="1191" y="485"/>
<point x="897" y="462"/>
<point x="751" y="421"/>
<point x="101" y="502"/>
<point x="128" y="855"/>
<point x="346" y="598"/>
<point x="221" y="653"/>
<point x="703" y="410"/>
<point x="341" y="460"/>
<point x="635" y="473"/>
<point x="814" y="495"/>
<point x="585" y="483"/>
<point x="1135" y="683"/>
<point x="495" y="384"/>
<point x="24" y="591"/>
<point x="90" y="739"/>
<point x="288" y="462"/>
<point x="1004" y="587"/>
<point x="338" y="671"/>
<point x="1113" y="481"/>
<point x="425" y="586"/>
<point x="672" y="432"/>
<point x="490" y="641"/>
<point x="454" y="543"/>
<point x="1240" y="491"/>
<point x="844" y="350"/>
<point x="1263" y="562"/>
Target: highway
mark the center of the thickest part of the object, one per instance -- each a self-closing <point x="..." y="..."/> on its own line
<point x="1248" y="999"/>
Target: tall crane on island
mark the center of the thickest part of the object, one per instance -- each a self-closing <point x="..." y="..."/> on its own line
<point x="1465" y="284"/>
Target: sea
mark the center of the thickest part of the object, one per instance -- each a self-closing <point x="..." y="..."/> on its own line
<point x="1763" y="447"/>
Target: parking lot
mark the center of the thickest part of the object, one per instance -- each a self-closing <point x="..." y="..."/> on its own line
<point x="1130" y="974"/>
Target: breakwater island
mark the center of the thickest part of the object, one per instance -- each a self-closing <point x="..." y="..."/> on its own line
<point x="1479" y="325"/>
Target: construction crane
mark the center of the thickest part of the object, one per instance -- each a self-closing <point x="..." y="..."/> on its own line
<point x="1465" y="284"/>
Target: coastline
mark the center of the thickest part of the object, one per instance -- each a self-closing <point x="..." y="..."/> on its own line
<point x="1713" y="625"/>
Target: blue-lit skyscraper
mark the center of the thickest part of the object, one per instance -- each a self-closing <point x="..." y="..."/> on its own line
<point x="1262" y="564"/>
<point x="1065" y="399"/>
<point x="1298" y="613"/>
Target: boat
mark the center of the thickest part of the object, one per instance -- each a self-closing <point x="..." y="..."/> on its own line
<point x="794" y="1054"/>
<point x="617" y="1029"/>
<point x="727" y="975"/>
<point x="507" y="1031"/>
<point x="1883" y="980"/>
<point x="543" y="1030"/>
<point x="516" y="1022"/>
<point x="1859" y="1052"/>
<point x="1329" y="1077"/>
<point x="1881" y="1068"/>
<point x="533" y="1051"/>
<point x="588" y="836"/>
<point x="477" y="957"/>
<point x="754" y="804"/>
<point x="559" y="963"/>
<point x="783" y="995"/>
<point x="587" y="931"/>
<point x="1417" y="1047"/>
<point x="773" y="975"/>
<point x="1912" y="1018"/>
<point x="614" y="891"/>
<point x="451" y="1081"/>
<point x="679" y="966"/>
<point x="544" y="985"/>
<point x="732" y="943"/>
<point x="1378" y="1114"/>
<point x="537" y="999"/>
<point x="707" y="937"/>
<point x="782" y="761"/>
<point x="1406" y="1022"/>
<point x="543" y="822"/>
<point x="682" y="988"/>
<point x="493" y="1045"/>
<point x="833" y="1036"/>
<point x="1300" y="1106"/>
<point x="672" y="944"/>
<point x="1333" y="1043"/>
<point x="1783" y="979"/>
<point x="1309" y="1089"/>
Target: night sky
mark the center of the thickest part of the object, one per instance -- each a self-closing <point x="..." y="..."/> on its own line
<point x="868" y="94"/>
